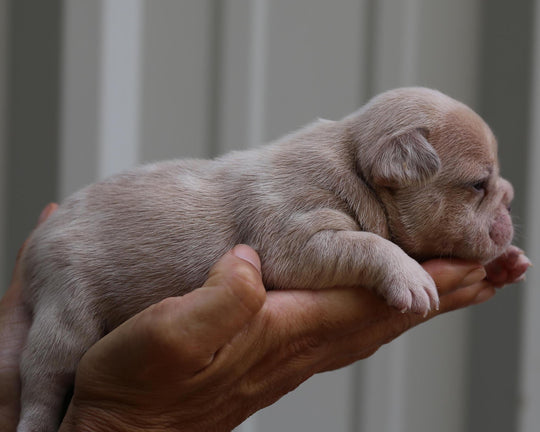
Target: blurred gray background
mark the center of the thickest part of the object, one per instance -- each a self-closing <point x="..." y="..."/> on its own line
<point x="90" y="87"/>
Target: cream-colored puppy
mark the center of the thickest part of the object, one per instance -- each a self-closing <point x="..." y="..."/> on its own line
<point x="410" y="176"/>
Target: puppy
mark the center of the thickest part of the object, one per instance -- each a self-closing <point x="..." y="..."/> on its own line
<point x="357" y="202"/>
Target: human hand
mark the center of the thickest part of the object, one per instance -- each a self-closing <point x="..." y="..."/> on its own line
<point x="208" y="360"/>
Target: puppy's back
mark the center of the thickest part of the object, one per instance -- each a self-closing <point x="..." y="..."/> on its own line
<point x="128" y="234"/>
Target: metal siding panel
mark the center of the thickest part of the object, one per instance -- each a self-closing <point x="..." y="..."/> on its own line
<point x="176" y="88"/>
<point x="79" y="128"/>
<point x="314" y="55"/>
<point x="234" y="85"/>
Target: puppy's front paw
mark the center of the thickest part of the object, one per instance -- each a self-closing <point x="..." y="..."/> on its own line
<point x="510" y="267"/>
<point x="408" y="287"/>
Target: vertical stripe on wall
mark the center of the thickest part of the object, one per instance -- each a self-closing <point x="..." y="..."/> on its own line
<point x="80" y="103"/>
<point x="120" y="90"/>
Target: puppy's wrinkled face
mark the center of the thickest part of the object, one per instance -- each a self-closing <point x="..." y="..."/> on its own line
<point x="463" y="210"/>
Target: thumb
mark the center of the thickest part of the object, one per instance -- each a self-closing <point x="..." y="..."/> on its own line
<point x="195" y="326"/>
<point x="232" y="295"/>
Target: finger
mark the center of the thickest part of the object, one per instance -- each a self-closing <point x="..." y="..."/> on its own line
<point x="461" y="297"/>
<point x="452" y="274"/>
<point x="233" y="294"/>
<point x="467" y="296"/>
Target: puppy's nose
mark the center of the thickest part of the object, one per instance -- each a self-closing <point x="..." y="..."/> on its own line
<point x="508" y="192"/>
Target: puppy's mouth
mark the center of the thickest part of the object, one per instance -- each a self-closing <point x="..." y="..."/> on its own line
<point x="501" y="230"/>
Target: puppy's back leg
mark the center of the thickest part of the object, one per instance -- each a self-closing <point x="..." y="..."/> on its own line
<point x="58" y="338"/>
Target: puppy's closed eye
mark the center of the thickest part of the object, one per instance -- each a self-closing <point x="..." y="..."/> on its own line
<point x="480" y="185"/>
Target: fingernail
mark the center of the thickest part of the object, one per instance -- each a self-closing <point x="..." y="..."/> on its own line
<point x="247" y="254"/>
<point x="475" y="276"/>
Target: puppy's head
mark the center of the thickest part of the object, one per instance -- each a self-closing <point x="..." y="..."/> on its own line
<point x="433" y="163"/>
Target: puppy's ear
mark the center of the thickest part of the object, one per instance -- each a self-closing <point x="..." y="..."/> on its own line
<point x="402" y="160"/>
